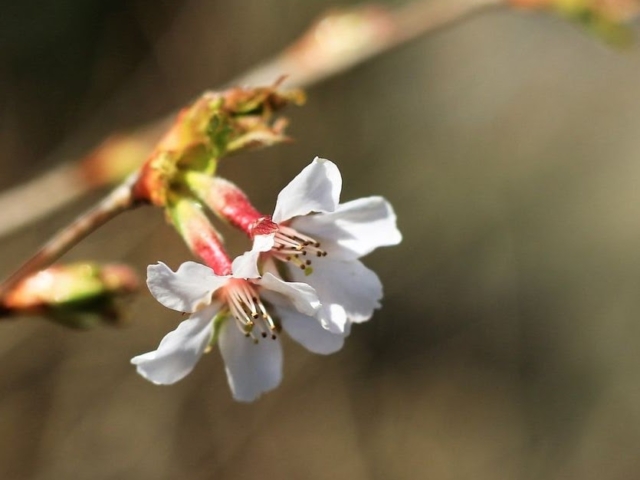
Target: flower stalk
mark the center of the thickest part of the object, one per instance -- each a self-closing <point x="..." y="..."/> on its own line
<point x="199" y="234"/>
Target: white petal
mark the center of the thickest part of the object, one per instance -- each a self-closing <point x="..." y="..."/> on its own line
<point x="246" y="265"/>
<point x="179" y="350"/>
<point x="331" y="317"/>
<point x="334" y="318"/>
<point x="300" y="294"/>
<point x="187" y="290"/>
<point x="349" y="285"/>
<point x="252" y="368"/>
<point x="315" y="189"/>
<point x="354" y="229"/>
<point x="308" y="332"/>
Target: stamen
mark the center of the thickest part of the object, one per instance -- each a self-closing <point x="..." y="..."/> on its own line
<point x="237" y="310"/>
<point x="291" y="244"/>
<point x="248" y="311"/>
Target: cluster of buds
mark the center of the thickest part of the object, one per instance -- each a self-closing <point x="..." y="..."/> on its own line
<point x="216" y="125"/>
<point x="302" y="274"/>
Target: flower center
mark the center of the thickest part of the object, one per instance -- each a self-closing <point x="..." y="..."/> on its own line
<point x="293" y="247"/>
<point x="248" y="310"/>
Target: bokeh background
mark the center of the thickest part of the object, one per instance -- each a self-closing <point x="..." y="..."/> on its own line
<point x="507" y="346"/>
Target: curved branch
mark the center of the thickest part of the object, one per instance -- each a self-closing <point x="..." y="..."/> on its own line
<point x="335" y="43"/>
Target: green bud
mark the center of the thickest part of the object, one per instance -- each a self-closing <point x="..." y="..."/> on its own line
<point x="79" y="295"/>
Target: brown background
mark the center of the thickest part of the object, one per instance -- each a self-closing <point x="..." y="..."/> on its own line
<point x="507" y="347"/>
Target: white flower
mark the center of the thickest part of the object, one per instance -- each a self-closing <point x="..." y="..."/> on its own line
<point x="229" y="309"/>
<point x="321" y="242"/>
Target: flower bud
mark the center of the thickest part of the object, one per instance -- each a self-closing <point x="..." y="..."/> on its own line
<point x="79" y="295"/>
<point x="215" y="125"/>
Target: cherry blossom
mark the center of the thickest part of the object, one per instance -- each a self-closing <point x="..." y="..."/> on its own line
<point x="321" y="241"/>
<point x="230" y="310"/>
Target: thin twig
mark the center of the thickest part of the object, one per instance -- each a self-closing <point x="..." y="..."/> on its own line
<point x="109" y="163"/>
<point x="335" y="43"/>
<point x="119" y="200"/>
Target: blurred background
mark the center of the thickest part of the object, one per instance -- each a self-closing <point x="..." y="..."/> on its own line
<point x="507" y="346"/>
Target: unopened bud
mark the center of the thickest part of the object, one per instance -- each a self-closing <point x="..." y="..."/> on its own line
<point x="78" y="295"/>
<point x="215" y="125"/>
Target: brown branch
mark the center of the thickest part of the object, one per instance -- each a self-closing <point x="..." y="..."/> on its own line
<point x="119" y="200"/>
<point x="335" y="43"/>
<point x="111" y="162"/>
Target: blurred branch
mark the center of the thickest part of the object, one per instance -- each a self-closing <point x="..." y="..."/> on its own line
<point x="341" y="39"/>
<point x="108" y="164"/>
<point x="338" y="41"/>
